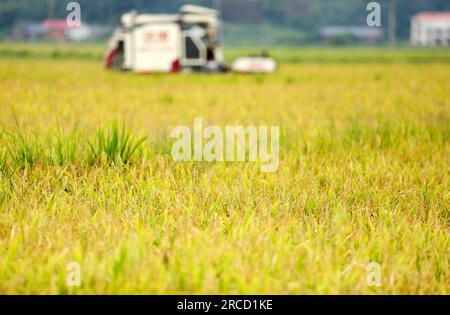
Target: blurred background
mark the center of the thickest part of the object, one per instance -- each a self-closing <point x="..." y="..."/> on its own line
<point x="280" y="23"/>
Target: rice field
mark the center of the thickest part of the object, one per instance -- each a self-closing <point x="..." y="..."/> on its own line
<point x="86" y="176"/>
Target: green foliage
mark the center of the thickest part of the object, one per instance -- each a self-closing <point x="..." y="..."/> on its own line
<point x="64" y="151"/>
<point x="117" y="146"/>
<point x="3" y="161"/>
<point x="342" y="40"/>
<point x="28" y="151"/>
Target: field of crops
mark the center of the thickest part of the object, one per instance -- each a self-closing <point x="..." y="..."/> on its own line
<point x="86" y="176"/>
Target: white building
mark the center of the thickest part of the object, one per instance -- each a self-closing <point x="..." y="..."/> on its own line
<point x="430" y="29"/>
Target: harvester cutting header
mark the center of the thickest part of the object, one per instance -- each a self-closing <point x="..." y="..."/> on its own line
<point x="185" y="42"/>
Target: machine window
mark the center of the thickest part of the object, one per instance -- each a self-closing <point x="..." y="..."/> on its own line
<point x="192" y="50"/>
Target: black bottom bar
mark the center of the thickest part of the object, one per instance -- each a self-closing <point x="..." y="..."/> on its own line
<point x="225" y="304"/>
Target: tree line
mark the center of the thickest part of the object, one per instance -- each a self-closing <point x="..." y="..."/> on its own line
<point x="305" y="16"/>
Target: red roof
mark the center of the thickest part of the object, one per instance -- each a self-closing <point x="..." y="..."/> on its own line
<point x="55" y="24"/>
<point x="433" y="15"/>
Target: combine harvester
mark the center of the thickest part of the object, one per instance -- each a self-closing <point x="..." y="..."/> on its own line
<point x="184" y="42"/>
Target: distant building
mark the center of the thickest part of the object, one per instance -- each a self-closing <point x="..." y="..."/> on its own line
<point x="28" y="30"/>
<point x="358" y="33"/>
<point x="430" y="29"/>
<point x="56" y="28"/>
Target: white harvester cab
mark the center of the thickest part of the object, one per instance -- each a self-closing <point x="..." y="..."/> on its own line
<point x="149" y="43"/>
